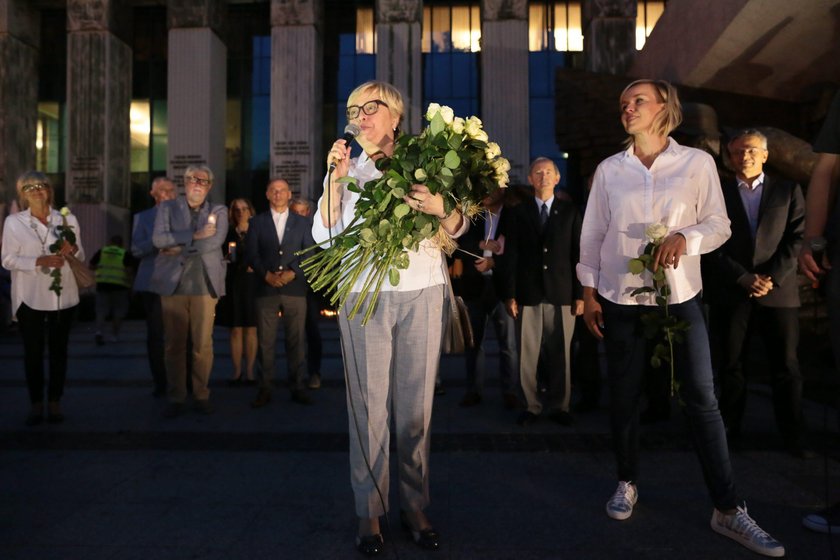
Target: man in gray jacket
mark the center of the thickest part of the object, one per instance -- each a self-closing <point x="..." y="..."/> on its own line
<point x="189" y="275"/>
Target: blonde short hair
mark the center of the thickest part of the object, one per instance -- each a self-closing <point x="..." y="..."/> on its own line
<point x="387" y="93"/>
<point x="671" y="117"/>
<point x="29" y="178"/>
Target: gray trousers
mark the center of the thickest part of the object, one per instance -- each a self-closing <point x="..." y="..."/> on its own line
<point x="390" y="366"/>
<point x="545" y="329"/>
<point x="294" y="335"/>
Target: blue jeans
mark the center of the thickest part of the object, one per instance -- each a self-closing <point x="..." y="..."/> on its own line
<point x="628" y="352"/>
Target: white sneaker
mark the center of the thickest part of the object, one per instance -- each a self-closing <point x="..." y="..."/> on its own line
<point x="621" y="504"/>
<point x="740" y="527"/>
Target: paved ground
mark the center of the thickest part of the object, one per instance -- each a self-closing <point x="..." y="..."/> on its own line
<point x="117" y="481"/>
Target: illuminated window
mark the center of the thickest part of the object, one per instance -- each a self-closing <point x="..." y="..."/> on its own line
<point x="140" y="126"/>
<point x="555" y="26"/>
<point x="648" y="13"/>
<point x="365" y="32"/>
<point x="48" y="134"/>
<point x="451" y="28"/>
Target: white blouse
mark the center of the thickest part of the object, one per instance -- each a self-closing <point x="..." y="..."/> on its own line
<point x="680" y="190"/>
<point x="425" y="267"/>
<point x="25" y="239"/>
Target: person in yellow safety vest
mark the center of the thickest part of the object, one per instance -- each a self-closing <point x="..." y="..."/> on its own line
<point x="113" y="266"/>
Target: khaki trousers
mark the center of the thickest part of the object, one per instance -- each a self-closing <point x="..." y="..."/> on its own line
<point x="188" y="318"/>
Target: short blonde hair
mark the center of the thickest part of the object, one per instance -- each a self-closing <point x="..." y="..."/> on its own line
<point x="671" y="117"/>
<point x="387" y="93"/>
<point x="29" y="178"/>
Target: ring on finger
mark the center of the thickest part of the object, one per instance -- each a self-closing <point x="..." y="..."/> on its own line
<point x="420" y="204"/>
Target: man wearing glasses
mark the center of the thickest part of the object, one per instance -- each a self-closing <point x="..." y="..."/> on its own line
<point x="189" y="275"/>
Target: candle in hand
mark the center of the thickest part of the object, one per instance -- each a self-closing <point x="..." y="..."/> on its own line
<point x="211" y="219"/>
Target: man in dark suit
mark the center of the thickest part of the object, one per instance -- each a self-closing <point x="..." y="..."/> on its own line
<point x="273" y="238"/>
<point x="143" y="249"/>
<point x="478" y="287"/>
<point x="750" y="282"/>
<point x="541" y="291"/>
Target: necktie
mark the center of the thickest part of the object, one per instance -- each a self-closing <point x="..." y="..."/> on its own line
<point x="543" y="216"/>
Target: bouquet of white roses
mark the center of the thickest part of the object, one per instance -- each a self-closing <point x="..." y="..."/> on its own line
<point x="452" y="157"/>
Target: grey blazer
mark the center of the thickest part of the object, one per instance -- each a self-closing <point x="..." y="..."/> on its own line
<point x="173" y="228"/>
<point x="143" y="249"/>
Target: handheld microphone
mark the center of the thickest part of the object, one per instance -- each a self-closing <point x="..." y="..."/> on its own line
<point x="350" y="132"/>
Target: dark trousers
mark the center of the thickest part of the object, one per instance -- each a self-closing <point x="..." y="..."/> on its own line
<point x="40" y="330"/>
<point x="779" y="330"/>
<point x="294" y="334"/>
<point x="627" y="356"/>
<point x="314" y="346"/>
<point x="154" y="338"/>
<point x="484" y="309"/>
<point x="586" y="367"/>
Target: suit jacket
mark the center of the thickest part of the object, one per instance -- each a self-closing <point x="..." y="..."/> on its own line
<point x="173" y="228"/>
<point x="781" y="223"/>
<point x="537" y="266"/>
<point x="472" y="282"/>
<point x="143" y="249"/>
<point x="264" y="253"/>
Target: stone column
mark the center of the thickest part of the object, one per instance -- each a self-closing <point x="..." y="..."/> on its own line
<point x="398" y="54"/>
<point x="19" y="40"/>
<point x="297" y="94"/>
<point x="98" y="136"/>
<point x="197" y="90"/>
<point x="609" y="35"/>
<point x="504" y="80"/>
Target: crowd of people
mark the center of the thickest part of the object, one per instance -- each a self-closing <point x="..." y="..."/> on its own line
<point x="553" y="278"/>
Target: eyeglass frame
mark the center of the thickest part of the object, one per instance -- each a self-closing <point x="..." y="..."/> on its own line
<point x="198" y="181"/>
<point x="753" y="151"/>
<point x="34" y="187"/>
<point x="361" y="109"/>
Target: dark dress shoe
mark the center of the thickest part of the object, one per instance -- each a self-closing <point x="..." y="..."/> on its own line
<point x="370" y="545"/>
<point x="54" y="415"/>
<point x="470" y="399"/>
<point x="562" y="417"/>
<point x="203" y="406"/>
<point x="263" y="398"/>
<point x="526" y="418"/>
<point x="585" y="406"/>
<point x="173" y="410"/>
<point x="299" y="396"/>
<point x="424" y="538"/>
<point x="511" y="401"/>
<point x="236" y="382"/>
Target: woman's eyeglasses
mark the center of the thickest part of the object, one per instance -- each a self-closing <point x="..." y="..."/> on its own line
<point x="34" y="187"/>
<point x="370" y="108"/>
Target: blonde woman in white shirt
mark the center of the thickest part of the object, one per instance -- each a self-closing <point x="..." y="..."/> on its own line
<point x="391" y="363"/>
<point x="655" y="180"/>
<point x="43" y="316"/>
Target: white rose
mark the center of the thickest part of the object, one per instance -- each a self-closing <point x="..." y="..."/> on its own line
<point x="64" y="211"/>
<point x="502" y="179"/>
<point x="501" y="165"/>
<point x="458" y="125"/>
<point x="473" y="127"/>
<point x="433" y="110"/>
<point x="447" y="114"/>
<point x="655" y="232"/>
<point x="481" y="136"/>
<point x="493" y="150"/>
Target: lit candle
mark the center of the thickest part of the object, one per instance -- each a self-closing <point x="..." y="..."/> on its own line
<point x="232" y="251"/>
<point x="211" y="219"/>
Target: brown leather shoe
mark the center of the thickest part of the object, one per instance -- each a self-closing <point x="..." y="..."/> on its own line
<point x="263" y="398"/>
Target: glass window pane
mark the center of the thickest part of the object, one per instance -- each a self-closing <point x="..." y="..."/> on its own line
<point x="141" y="132"/>
<point x="365" y="36"/>
<point x="160" y="135"/>
<point x="426" y="33"/>
<point x="475" y="29"/>
<point x="440" y="29"/>
<point x="461" y="36"/>
<point x="575" y="28"/>
<point x="48" y="138"/>
<point x="233" y="134"/>
<point x="536" y="27"/>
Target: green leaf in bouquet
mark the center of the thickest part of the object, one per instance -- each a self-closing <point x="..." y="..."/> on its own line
<point x="659" y="275"/>
<point x="437" y="125"/>
<point x="420" y="220"/>
<point x="455" y="141"/>
<point x="636" y="266"/>
<point x="384" y="228"/>
<point x="420" y="174"/>
<point x="434" y="186"/>
<point x="394" y="276"/>
<point x="401" y="261"/>
<point x="427" y="231"/>
<point x="383" y="204"/>
<point x="401" y="210"/>
<point x="367" y="237"/>
<point x="642" y="290"/>
<point x="451" y="160"/>
<point x="398" y="192"/>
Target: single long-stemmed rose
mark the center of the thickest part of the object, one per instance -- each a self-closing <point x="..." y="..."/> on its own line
<point x="658" y="323"/>
<point x="453" y="157"/>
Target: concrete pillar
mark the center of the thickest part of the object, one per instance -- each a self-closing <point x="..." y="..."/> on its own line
<point x="297" y="94"/>
<point x="504" y="80"/>
<point x="98" y="101"/>
<point x="197" y="90"/>
<point x="398" y="54"/>
<point x="609" y="35"/>
<point x="19" y="39"/>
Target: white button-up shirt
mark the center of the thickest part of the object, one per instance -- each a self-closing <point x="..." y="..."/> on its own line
<point x="280" y="219"/>
<point x="425" y="267"/>
<point x="24" y="240"/>
<point x="681" y="190"/>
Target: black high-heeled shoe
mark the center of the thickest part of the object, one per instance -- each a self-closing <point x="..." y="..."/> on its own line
<point x="424" y="538"/>
<point x="370" y="545"/>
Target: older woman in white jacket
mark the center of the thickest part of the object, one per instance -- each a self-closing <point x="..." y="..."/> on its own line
<point x="44" y="316"/>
